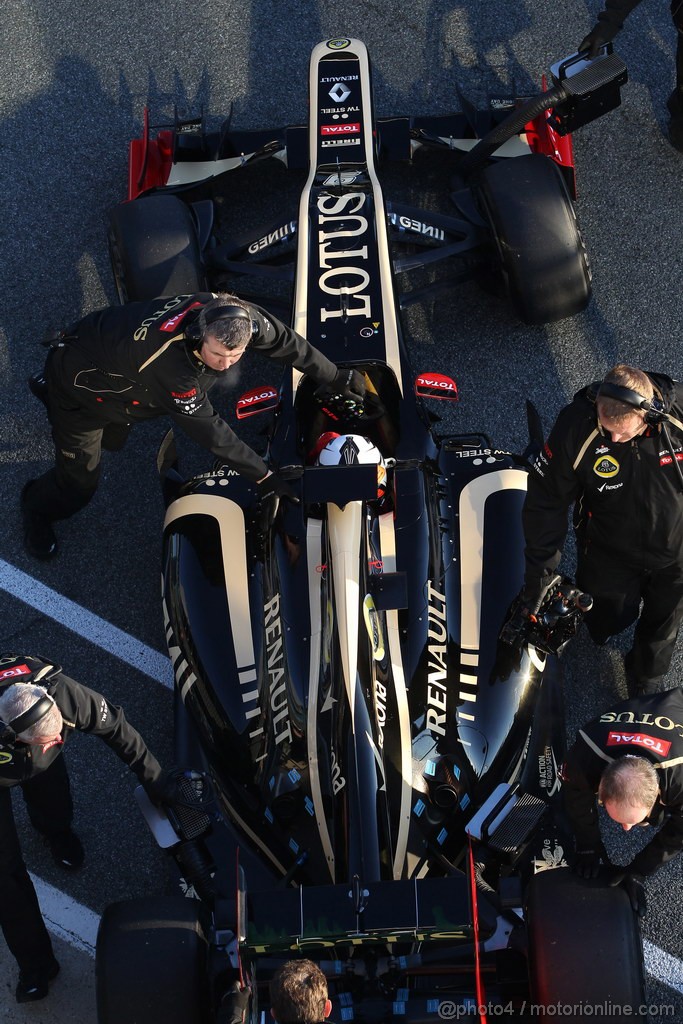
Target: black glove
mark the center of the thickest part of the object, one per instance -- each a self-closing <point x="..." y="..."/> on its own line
<point x="633" y="884"/>
<point x="345" y="393"/>
<point x="270" y="491"/>
<point x="166" y="788"/>
<point x="534" y="590"/>
<point x="587" y="862"/>
<point x="604" y="32"/>
<point x="234" y="1008"/>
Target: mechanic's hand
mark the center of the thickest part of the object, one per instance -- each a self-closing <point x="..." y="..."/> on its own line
<point x="534" y="590"/>
<point x="234" y="1008"/>
<point x="633" y="884"/>
<point x="345" y="393"/>
<point x="270" y="491"/>
<point x="166" y="788"/>
<point x="587" y="862"/>
<point x="596" y="38"/>
<point x="277" y="486"/>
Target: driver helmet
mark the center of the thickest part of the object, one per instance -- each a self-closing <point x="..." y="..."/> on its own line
<point x="352" y="450"/>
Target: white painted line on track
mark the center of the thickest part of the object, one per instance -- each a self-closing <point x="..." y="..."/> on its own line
<point x="664" y="967"/>
<point x="85" y="624"/>
<point x="67" y="919"/>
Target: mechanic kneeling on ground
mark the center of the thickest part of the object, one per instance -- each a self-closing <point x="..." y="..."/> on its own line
<point x="298" y="995"/>
<point x="631" y="759"/>
<point x="39" y="709"/>
<point x="615" y="452"/>
<point x="610" y="21"/>
<point x="149" y="359"/>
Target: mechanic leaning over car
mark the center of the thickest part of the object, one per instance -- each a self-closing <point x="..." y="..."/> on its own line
<point x="615" y="452"/>
<point x="40" y="707"/>
<point x="148" y="359"/>
<point x="610" y="21"/>
<point x="631" y="758"/>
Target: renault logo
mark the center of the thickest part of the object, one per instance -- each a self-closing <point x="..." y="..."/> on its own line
<point x="339" y="92"/>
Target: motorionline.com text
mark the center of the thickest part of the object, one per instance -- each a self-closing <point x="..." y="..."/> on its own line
<point x="450" y="1010"/>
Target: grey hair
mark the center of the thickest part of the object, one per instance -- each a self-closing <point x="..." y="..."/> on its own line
<point x="230" y="333"/>
<point x="20" y="697"/>
<point x="630" y="781"/>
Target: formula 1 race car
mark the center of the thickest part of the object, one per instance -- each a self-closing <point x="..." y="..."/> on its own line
<point x="374" y="774"/>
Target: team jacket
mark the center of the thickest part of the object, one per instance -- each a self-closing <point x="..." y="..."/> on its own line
<point x="650" y="726"/>
<point x="629" y="499"/>
<point x="82" y="709"/>
<point x="132" y="362"/>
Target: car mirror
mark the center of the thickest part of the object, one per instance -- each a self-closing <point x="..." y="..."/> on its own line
<point x="258" y="400"/>
<point x="436" y="385"/>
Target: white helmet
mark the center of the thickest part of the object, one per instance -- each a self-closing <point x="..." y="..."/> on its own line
<point x="352" y="450"/>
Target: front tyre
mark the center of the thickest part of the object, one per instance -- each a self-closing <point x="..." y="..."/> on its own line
<point x="539" y="251"/>
<point x="154" y="249"/>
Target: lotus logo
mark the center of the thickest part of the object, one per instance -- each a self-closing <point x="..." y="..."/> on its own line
<point x="338" y="44"/>
<point x="339" y="92"/>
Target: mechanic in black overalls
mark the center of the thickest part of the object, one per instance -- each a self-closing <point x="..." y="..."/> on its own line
<point x="610" y="21"/>
<point x="39" y="709"/>
<point x="150" y="359"/>
<point x="622" y="473"/>
<point x="631" y="759"/>
<point x="298" y="995"/>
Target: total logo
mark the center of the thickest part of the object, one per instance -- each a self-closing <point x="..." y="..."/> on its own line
<point x="340" y="129"/>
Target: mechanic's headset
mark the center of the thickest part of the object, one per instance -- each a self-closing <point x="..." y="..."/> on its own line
<point x="10" y="730"/>
<point x="653" y="407"/>
<point x="194" y="332"/>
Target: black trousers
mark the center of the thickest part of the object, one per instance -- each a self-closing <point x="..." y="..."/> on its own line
<point x="49" y="805"/>
<point x="617" y="589"/>
<point x="79" y="435"/>
<point x="677" y="15"/>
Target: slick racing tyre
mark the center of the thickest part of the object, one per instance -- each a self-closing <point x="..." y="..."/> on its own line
<point x="154" y="249"/>
<point x="150" y="963"/>
<point x="584" y="946"/>
<point x="539" y="250"/>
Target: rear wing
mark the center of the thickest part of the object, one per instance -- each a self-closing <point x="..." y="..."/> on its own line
<point x="377" y="914"/>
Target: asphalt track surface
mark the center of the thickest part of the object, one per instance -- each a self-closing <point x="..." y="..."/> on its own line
<point x="73" y="81"/>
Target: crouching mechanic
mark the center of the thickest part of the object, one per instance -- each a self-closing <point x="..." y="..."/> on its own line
<point x="149" y="359"/>
<point x="39" y="709"/>
<point x="615" y="453"/>
<point x="630" y="760"/>
<point x="298" y="995"/>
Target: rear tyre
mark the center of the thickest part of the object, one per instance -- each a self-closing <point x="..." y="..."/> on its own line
<point x="154" y="249"/>
<point x="150" y="964"/>
<point x="539" y="250"/>
<point x="584" y="947"/>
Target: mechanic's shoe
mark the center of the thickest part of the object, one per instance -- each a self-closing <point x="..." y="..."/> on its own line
<point x="675" y="104"/>
<point x="67" y="850"/>
<point x="38" y="387"/>
<point x="39" y="537"/>
<point x="676" y="132"/>
<point x="34" y="985"/>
